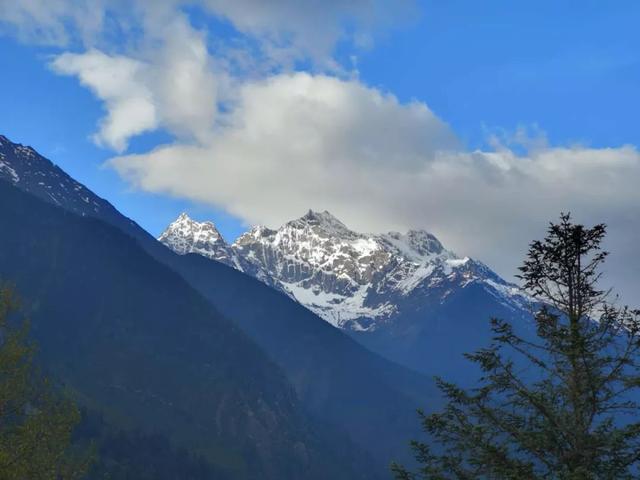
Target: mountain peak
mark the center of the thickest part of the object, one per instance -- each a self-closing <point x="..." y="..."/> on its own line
<point x="18" y="147"/>
<point x="319" y="216"/>
<point x="186" y="227"/>
<point x="352" y="280"/>
<point x="185" y="221"/>
<point x="324" y="220"/>
<point x="254" y="233"/>
<point x="423" y="242"/>
<point x="186" y="235"/>
<point x="39" y="176"/>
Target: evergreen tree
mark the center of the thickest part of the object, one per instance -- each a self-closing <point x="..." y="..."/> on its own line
<point x="36" y="423"/>
<point x="557" y="404"/>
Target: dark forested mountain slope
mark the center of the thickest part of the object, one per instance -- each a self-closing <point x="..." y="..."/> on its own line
<point x="336" y="379"/>
<point x="133" y="340"/>
<point x="403" y="295"/>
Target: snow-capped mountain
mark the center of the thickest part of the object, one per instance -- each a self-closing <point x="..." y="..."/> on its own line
<point x="332" y="375"/>
<point x="188" y="236"/>
<point x="355" y="281"/>
<point x="403" y="296"/>
<point x="25" y="168"/>
<point x="31" y="175"/>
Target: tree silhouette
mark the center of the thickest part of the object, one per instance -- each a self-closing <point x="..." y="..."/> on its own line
<point x="559" y="404"/>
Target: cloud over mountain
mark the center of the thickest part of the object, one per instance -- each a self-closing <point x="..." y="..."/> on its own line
<point x="259" y="137"/>
<point x="298" y="141"/>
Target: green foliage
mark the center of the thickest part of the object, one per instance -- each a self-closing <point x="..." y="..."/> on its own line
<point x="559" y="404"/>
<point x="35" y="422"/>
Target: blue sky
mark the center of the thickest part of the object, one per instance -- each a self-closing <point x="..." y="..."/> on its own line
<point x="566" y="72"/>
<point x="572" y="70"/>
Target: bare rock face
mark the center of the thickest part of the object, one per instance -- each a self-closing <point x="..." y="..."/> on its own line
<point x="355" y="281"/>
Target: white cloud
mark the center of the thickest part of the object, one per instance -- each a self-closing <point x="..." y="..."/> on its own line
<point x="153" y="69"/>
<point x="53" y="22"/>
<point x="182" y="78"/>
<point x="267" y="146"/>
<point x="119" y="82"/>
<point x="285" y="30"/>
<point x="294" y="29"/>
<point x="173" y="86"/>
<point x="293" y="141"/>
<point x="299" y="141"/>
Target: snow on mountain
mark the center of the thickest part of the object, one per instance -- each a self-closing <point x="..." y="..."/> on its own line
<point x="6" y="170"/>
<point x="358" y="282"/>
<point x="24" y="167"/>
<point x="355" y="281"/>
<point x="402" y="295"/>
<point x="185" y="235"/>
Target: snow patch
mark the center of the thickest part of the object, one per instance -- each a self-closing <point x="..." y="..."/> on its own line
<point x="9" y="171"/>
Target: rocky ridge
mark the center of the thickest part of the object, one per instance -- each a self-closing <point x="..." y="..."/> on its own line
<point x="354" y="281"/>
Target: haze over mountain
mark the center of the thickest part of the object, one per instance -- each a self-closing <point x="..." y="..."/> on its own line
<point x="392" y="291"/>
<point x="333" y="376"/>
<point x="132" y="340"/>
